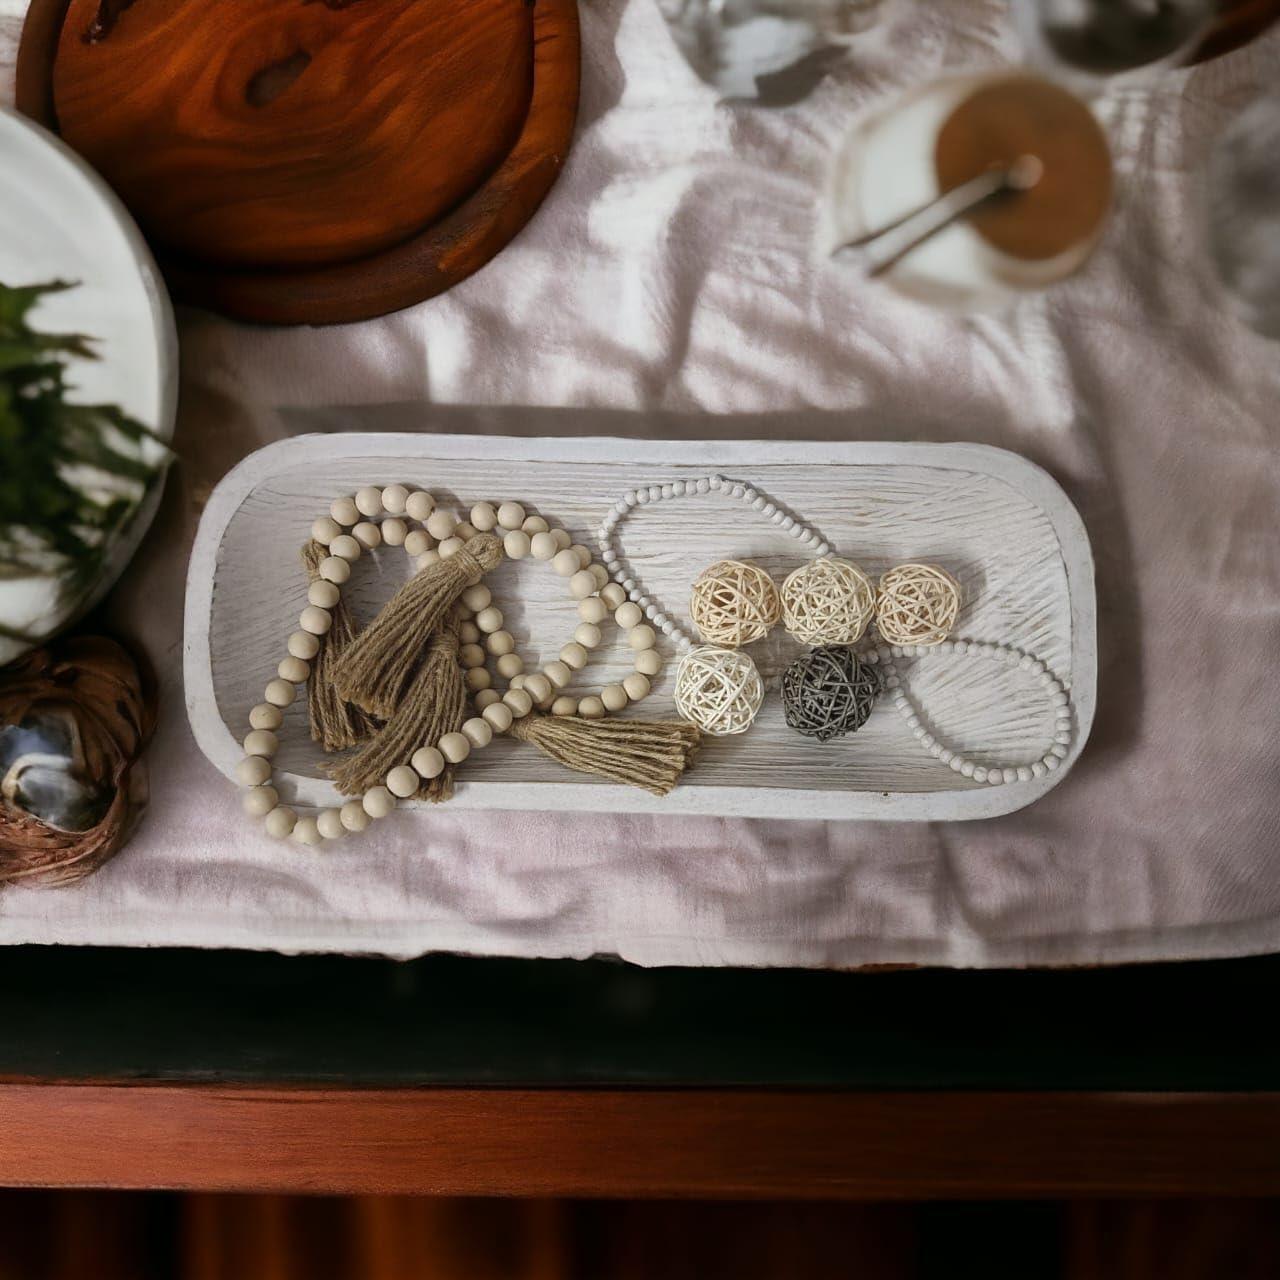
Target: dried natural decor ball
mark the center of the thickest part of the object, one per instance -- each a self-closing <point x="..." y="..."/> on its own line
<point x="719" y="690"/>
<point x="73" y="721"/>
<point x="917" y="604"/>
<point x="828" y="601"/>
<point x="734" y="602"/>
<point x="828" y="692"/>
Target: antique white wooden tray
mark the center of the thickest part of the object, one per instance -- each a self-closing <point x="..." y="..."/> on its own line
<point x="998" y="522"/>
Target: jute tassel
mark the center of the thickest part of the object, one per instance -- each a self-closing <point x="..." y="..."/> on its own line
<point x="334" y="722"/>
<point x="641" y="753"/>
<point x="379" y="662"/>
<point x="434" y="704"/>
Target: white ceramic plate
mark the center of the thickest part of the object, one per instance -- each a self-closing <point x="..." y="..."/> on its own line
<point x="60" y="221"/>
<point x="1000" y="523"/>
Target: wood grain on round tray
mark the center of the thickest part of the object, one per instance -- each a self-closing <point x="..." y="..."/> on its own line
<point x="312" y="160"/>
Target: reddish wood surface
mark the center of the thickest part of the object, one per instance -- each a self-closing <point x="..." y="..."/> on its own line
<point x="318" y="161"/>
<point x="711" y="1143"/>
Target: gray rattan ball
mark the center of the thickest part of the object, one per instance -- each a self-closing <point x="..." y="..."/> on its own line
<point x="828" y="692"/>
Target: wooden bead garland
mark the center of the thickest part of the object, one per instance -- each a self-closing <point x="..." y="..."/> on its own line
<point x="917" y="604"/>
<point x="650" y="754"/>
<point x="827" y="692"/>
<point x="734" y="602"/>
<point x="827" y="601"/>
<point x="719" y="690"/>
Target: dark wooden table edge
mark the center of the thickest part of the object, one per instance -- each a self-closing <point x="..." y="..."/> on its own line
<point x="675" y="1143"/>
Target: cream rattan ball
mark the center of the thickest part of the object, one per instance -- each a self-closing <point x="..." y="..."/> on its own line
<point x="719" y="690"/>
<point x="917" y="604"/>
<point x="734" y="602"/>
<point x="828" y="601"/>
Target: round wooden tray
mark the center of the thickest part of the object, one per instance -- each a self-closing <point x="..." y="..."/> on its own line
<point x="312" y="161"/>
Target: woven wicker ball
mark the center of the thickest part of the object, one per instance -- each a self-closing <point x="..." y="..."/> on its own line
<point x="719" y="690"/>
<point x="734" y="602"/>
<point x="917" y="604"/>
<point x="828" y="601"/>
<point x="828" y="692"/>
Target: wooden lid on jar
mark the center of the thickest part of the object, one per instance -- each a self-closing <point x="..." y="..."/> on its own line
<point x="1018" y="116"/>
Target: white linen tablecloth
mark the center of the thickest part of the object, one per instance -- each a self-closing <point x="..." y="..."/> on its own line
<point x="671" y="269"/>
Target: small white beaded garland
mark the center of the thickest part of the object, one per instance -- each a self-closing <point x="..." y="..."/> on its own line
<point x="482" y="620"/>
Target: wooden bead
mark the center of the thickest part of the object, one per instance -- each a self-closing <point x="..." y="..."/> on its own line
<point x="469" y="633"/>
<point x="344" y="511"/>
<point x="614" y="697"/>
<point x="334" y="569"/>
<point x="353" y="816"/>
<point x="455" y="747"/>
<point x="477" y="731"/>
<point x="394" y="497"/>
<point x="511" y="515"/>
<point x="582" y="584"/>
<point x="484" y="517"/>
<point x="565" y="563"/>
<point x="345" y="547"/>
<point x="510" y="665"/>
<point x="516" y="545"/>
<point x="583" y="554"/>
<point x="280" y="693"/>
<point x="538" y="687"/>
<point x="648" y="662"/>
<point x="369" y="500"/>
<point x="628" y="615"/>
<point x="394" y="532"/>
<point x="427" y="763"/>
<point x="564" y="706"/>
<point x="419" y="505"/>
<point x="294" y="670"/>
<point x="403" y="781"/>
<point x="260" y="801"/>
<point x="642" y="637"/>
<point x="378" y="802"/>
<point x="329" y="824"/>
<point x="476" y="679"/>
<point x="489" y="620"/>
<point x="441" y="524"/>
<point x="499" y="716"/>
<point x="593" y="610"/>
<point x="367" y="534"/>
<point x="600" y="574"/>
<point x="450" y="547"/>
<point x="543" y="546"/>
<point x="559" y="673"/>
<point x="253" y="771"/>
<point x="470" y="655"/>
<point x="279" y="822"/>
<point x="519" y="702"/>
<point x="637" y="686"/>
<point x="534" y="525"/>
<point x="500" y="642"/>
<point x="324" y="529"/>
<point x="586" y="634"/>
<point x="265" y="716"/>
<point x="574" y="655"/>
<point x="477" y="597"/>
<point x="486" y="698"/>
<point x="517" y="681"/>
<point x="563" y="541"/>
<point x="261" y="742"/>
<point x="416" y="541"/>
<point x="465" y="531"/>
<point x="613" y="595"/>
<point x="325" y="595"/>
<point x="591" y="708"/>
<point x="315" y="620"/>
<point x="428" y="559"/>
<point x="305" y="831"/>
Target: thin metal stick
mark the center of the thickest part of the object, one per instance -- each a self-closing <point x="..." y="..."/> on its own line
<point x="950" y="207"/>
